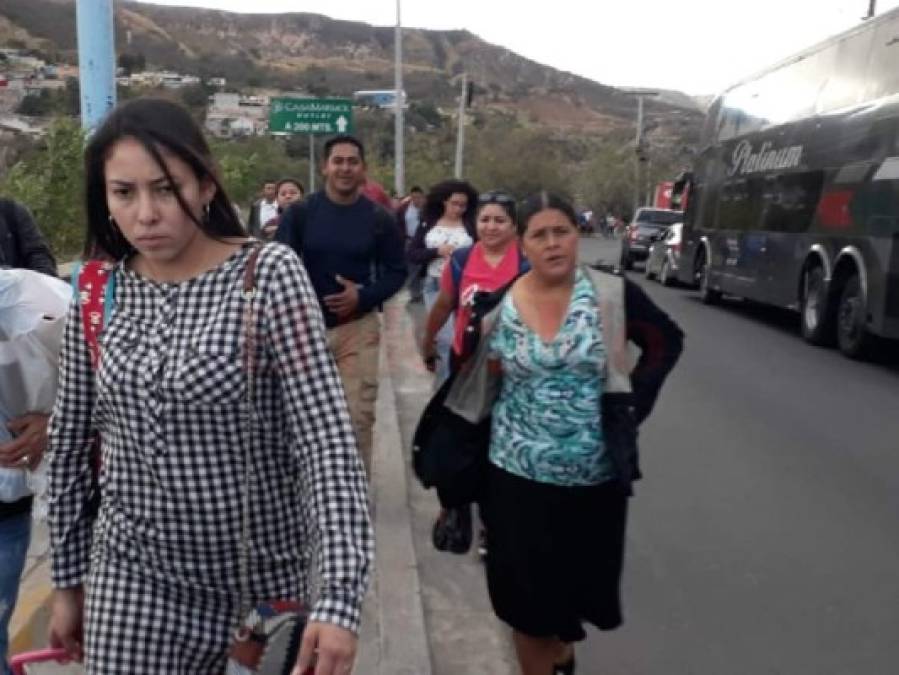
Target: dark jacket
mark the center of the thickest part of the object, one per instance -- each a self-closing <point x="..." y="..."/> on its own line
<point x="401" y="220"/>
<point x="629" y="398"/>
<point x="254" y="227"/>
<point x="21" y="243"/>
<point x="332" y="236"/>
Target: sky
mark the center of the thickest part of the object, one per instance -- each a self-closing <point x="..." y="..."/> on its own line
<point x="696" y="46"/>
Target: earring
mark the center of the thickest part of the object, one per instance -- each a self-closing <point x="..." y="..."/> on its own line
<point x="111" y="221"/>
<point x="206" y="213"/>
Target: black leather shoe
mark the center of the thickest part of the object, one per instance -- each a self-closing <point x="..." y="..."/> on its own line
<point x="452" y="531"/>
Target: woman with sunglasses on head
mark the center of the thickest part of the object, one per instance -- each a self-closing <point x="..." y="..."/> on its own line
<point x="493" y="262"/>
<point x="447" y="225"/>
<point x="226" y="449"/>
<point x="552" y="369"/>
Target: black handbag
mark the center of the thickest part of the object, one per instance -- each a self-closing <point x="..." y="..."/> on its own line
<point x="449" y="452"/>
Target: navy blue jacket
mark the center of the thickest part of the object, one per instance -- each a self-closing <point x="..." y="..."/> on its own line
<point x="359" y="242"/>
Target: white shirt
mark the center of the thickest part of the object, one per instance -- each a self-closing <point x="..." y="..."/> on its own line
<point x="412" y="218"/>
<point x="440" y="235"/>
<point x="267" y="211"/>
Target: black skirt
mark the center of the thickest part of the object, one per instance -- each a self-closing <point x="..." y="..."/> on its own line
<point x="555" y="554"/>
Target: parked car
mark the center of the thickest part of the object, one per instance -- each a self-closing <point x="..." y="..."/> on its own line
<point x="646" y="228"/>
<point x="663" y="261"/>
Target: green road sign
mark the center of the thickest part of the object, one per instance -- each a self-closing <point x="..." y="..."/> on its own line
<point x="311" y="115"/>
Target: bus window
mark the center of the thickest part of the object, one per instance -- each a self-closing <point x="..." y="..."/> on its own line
<point x="883" y="75"/>
<point x="845" y="86"/>
<point x="710" y="127"/>
<point x="730" y="120"/>
<point x="789" y="93"/>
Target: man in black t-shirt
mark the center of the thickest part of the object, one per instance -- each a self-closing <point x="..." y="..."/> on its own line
<point x="354" y="255"/>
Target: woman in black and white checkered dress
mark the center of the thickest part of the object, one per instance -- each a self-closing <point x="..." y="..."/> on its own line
<point x="155" y="572"/>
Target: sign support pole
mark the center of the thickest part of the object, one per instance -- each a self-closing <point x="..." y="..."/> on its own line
<point x="311" y="163"/>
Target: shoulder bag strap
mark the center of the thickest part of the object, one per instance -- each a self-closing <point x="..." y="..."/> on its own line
<point x="249" y="360"/>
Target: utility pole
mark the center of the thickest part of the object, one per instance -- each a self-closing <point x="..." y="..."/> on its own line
<point x="398" y="141"/>
<point x="460" y="136"/>
<point x="639" y="156"/>
<point x="872" y="8"/>
<point x="96" y="60"/>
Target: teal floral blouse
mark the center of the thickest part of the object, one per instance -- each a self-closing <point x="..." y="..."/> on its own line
<point x="546" y="421"/>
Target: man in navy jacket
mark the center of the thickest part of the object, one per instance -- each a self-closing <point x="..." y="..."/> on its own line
<point x="354" y="255"/>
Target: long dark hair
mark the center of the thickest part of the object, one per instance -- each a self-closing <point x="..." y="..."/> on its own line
<point x="156" y="124"/>
<point x="437" y="195"/>
<point x="540" y="202"/>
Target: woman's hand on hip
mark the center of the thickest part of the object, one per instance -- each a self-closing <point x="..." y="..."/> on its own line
<point x="67" y="621"/>
<point x="329" y="648"/>
<point x="429" y="354"/>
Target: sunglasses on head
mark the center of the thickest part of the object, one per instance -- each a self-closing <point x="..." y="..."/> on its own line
<point x="495" y="197"/>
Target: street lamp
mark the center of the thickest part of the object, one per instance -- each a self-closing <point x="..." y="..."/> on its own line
<point x="639" y="146"/>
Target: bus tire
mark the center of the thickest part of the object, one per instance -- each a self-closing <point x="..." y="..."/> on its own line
<point x="816" y="312"/>
<point x="853" y="338"/>
<point x="707" y="294"/>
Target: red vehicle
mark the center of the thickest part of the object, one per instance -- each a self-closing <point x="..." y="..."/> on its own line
<point x="663" y="196"/>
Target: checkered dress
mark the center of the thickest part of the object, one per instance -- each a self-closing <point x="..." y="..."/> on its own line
<point x="160" y="560"/>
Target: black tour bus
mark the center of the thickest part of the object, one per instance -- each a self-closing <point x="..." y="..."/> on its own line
<point x="794" y="195"/>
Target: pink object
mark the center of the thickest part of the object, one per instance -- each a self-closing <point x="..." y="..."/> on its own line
<point x="377" y="194"/>
<point x="18" y="663"/>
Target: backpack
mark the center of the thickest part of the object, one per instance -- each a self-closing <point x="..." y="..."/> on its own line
<point x="93" y="285"/>
<point x="459" y="259"/>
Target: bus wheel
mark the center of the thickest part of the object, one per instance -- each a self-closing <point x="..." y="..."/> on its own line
<point x="852" y="337"/>
<point x="817" y="317"/>
<point x="707" y="294"/>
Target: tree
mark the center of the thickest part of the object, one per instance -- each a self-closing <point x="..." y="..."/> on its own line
<point x="132" y="63"/>
<point x="37" y="105"/>
<point x="50" y="184"/>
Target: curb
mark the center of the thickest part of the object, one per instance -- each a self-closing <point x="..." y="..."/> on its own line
<point x="403" y="639"/>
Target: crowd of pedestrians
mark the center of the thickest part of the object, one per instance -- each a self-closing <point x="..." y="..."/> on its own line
<point x="211" y="439"/>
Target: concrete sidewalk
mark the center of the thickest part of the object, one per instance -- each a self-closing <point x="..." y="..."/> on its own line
<point x="464" y="636"/>
<point x="426" y="612"/>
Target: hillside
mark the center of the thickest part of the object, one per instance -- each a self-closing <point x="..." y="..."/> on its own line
<point x="314" y="53"/>
<point x="530" y="126"/>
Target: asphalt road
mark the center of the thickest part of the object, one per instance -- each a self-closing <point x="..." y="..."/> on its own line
<point x="764" y="537"/>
